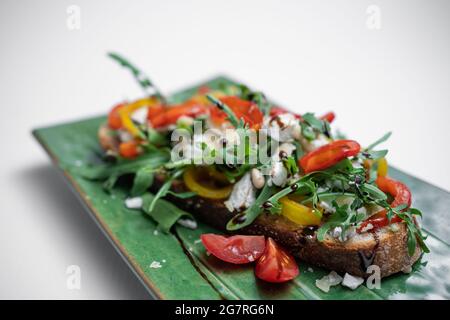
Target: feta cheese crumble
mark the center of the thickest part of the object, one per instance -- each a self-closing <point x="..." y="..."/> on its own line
<point x="155" y="265"/>
<point x="134" y="203"/>
<point x="188" y="223"/>
<point x="352" y="282"/>
<point x="332" y="279"/>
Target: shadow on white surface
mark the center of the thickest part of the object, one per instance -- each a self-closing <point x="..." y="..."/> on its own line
<point x="78" y="240"/>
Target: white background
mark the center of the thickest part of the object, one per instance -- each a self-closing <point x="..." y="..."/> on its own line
<point x="309" y="56"/>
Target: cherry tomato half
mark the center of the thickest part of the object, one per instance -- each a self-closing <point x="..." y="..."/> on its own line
<point x="329" y="154"/>
<point x="164" y="116"/>
<point x="154" y="112"/>
<point x="243" y="109"/>
<point x="276" y="265"/>
<point x="114" y="121"/>
<point x="328" y="116"/>
<point x="235" y="249"/>
<point x="129" y="149"/>
<point x="401" y="194"/>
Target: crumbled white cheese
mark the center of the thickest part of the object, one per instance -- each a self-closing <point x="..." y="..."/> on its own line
<point x="332" y="279"/>
<point x="312" y="145"/>
<point x="134" y="203"/>
<point x="284" y="128"/>
<point x="188" y="223"/>
<point x="243" y="194"/>
<point x="310" y="269"/>
<point x="352" y="282"/>
<point x="394" y="227"/>
<point x="278" y="174"/>
<point x="155" y="232"/>
<point x="362" y="210"/>
<point x="368" y="227"/>
<point x="155" y="265"/>
<point x="326" y="206"/>
<point x="78" y="163"/>
<point x="198" y="241"/>
<point x="336" y="232"/>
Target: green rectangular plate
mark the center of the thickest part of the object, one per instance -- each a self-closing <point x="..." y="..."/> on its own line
<point x="186" y="271"/>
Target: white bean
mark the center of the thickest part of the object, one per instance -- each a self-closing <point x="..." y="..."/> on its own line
<point x="257" y="179"/>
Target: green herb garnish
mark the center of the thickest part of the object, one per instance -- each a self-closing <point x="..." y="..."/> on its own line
<point x="144" y="81"/>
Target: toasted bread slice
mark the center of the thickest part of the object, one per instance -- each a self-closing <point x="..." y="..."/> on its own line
<point x="385" y="248"/>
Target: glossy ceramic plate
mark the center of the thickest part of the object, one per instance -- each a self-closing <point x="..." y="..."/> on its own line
<point x="175" y="265"/>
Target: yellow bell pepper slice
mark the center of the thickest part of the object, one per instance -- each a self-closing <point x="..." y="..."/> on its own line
<point x="383" y="167"/>
<point x="126" y="111"/>
<point x="299" y="213"/>
<point x="190" y="179"/>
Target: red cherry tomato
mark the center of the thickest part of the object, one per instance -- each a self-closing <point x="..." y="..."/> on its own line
<point x="243" y="109"/>
<point x="328" y="116"/>
<point x="154" y="112"/>
<point x="236" y="249"/>
<point x="169" y="115"/>
<point x="401" y="194"/>
<point x="276" y="265"/>
<point x="114" y="121"/>
<point x="328" y="155"/>
<point x="129" y="149"/>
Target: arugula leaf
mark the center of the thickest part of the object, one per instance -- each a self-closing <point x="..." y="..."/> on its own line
<point x="307" y="131"/>
<point x="314" y="122"/>
<point x="373" y="155"/>
<point x="153" y="159"/>
<point x="310" y="126"/>
<point x="230" y="114"/>
<point x="142" y="181"/>
<point x="373" y="192"/>
<point x="144" y="81"/>
<point x="379" y="141"/>
<point x="182" y="195"/>
<point x="156" y="138"/>
<point x="164" y="213"/>
<point x="109" y="183"/>
<point x="255" y="96"/>
<point x="260" y="99"/>
<point x="291" y="165"/>
<point x="415" y="234"/>
<point x="165" y="188"/>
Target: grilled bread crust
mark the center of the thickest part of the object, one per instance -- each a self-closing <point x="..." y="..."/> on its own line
<point x="384" y="248"/>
